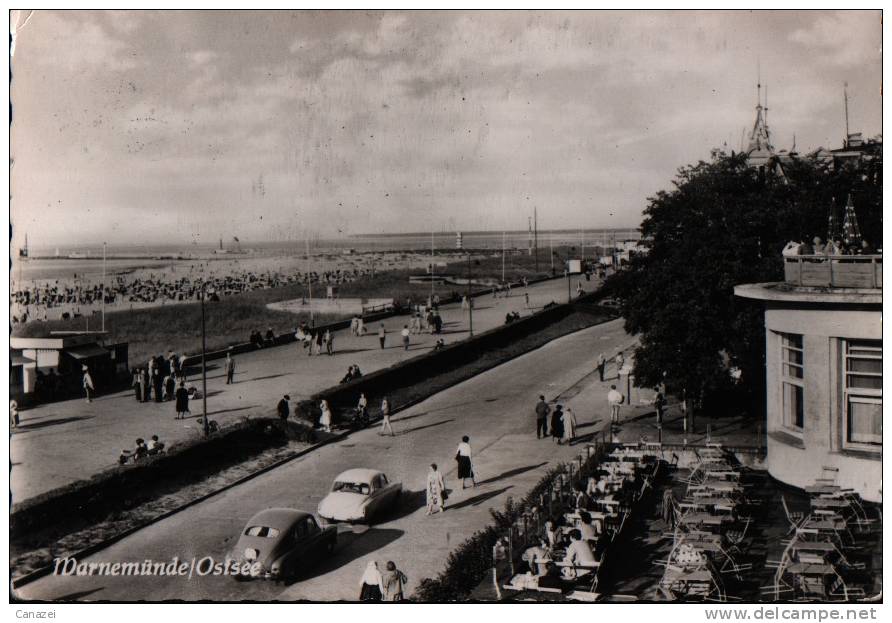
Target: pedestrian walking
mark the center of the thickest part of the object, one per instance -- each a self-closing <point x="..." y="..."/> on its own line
<point x="463" y="458"/>
<point x="88" y="384"/>
<point x="229" y="366"/>
<point x="385" y="417"/>
<point x="170" y="387"/>
<point x="436" y="491"/>
<point x="13" y="414"/>
<point x="329" y="342"/>
<point x="284" y="407"/>
<point x="137" y="388"/>
<point x="144" y="385"/>
<point x="660" y="405"/>
<point x="182" y="401"/>
<point x="371" y="587"/>
<point x="325" y="418"/>
<point x="157" y="384"/>
<point x="620" y="362"/>
<point x="557" y="424"/>
<point x="354" y="326"/>
<point x="602" y="364"/>
<point x="393" y="581"/>
<point x="526" y="298"/>
<point x="360" y="327"/>
<point x="542" y="411"/>
<point x="615" y="399"/>
<point x="405" y="334"/>
<point x="382" y="335"/>
<point x="569" y="424"/>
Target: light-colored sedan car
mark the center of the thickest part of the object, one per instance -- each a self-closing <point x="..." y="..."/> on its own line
<point x="357" y="495"/>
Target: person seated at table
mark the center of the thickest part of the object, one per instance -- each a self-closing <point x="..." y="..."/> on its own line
<point x="586" y="527"/>
<point x="580" y="559"/>
<point x="550" y="533"/>
<point x="581" y="499"/>
<point x="551" y="578"/>
<point x="536" y="556"/>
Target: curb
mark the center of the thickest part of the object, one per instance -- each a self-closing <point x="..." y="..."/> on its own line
<point x="92" y="549"/>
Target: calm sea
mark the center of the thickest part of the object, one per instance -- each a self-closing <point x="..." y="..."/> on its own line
<point x="122" y="259"/>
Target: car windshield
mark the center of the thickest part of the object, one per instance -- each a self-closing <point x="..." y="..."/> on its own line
<point x="351" y="487"/>
<point x="263" y="532"/>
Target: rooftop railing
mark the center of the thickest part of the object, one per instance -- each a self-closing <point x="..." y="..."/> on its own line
<point x="834" y="271"/>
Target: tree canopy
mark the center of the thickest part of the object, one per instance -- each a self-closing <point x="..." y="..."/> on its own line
<point x="725" y="223"/>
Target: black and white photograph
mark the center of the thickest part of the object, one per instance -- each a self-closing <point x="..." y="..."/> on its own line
<point x="514" y="306"/>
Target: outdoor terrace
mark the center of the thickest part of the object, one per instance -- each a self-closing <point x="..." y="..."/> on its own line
<point x="834" y="271"/>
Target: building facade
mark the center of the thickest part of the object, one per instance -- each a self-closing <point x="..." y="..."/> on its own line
<point x="824" y="363"/>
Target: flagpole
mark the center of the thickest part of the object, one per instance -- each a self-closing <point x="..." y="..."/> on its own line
<point x="103" y="286"/>
<point x="503" y="256"/>
<point x="309" y="278"/>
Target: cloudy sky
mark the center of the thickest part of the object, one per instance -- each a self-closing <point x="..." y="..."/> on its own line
<point x="171" y="127"/>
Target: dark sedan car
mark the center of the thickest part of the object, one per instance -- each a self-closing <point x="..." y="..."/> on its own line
<point x="283" y="541"/>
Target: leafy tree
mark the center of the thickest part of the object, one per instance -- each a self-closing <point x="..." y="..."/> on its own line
<point x="724" y="223"/>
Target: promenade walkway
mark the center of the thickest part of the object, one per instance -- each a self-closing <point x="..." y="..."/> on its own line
<point x="63" y="442"/>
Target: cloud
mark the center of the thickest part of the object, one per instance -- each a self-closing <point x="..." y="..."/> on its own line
<point x="396" y="121"/>
<point x="843" y="38"/>
<point x="75" y="43"/>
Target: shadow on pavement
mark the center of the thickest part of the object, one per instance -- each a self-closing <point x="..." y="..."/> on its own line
<point x="410" y="501"/>
<point x="353" y="545"/>
<point x="477" y="499"/>
<point x="263" y="378"/>
<point x="418" y="428"/>
<point x="511" y="472"/>
<point x="350" y="351"/>
<point x="48" y="423"/>
<point x="231" y="410"/>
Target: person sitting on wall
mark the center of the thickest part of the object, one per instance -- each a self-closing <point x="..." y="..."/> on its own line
<point x="439" y="345"/>
<point x="791" y="249"/>
<point x="154" y="446"/>
<point x="270" y="338"/>
<point x="349" y="376"/>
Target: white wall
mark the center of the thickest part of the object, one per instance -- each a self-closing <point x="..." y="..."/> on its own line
<point x="822" y="331"/>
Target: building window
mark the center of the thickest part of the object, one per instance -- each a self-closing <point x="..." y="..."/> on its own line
<point x="792" y="375"/>
<point x="863" y="393"/>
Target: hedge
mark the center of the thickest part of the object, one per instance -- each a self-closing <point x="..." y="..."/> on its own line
<point x="469" y="563"/>
<point x="126" y="486"/>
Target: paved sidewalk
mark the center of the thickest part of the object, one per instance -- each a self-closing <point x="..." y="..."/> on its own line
<point x="66" y="441"/>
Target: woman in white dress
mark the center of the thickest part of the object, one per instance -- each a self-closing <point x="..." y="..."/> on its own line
<point x="325" y="418"/>
<point x="436" y="491"/>
<point x="569" y="426"/>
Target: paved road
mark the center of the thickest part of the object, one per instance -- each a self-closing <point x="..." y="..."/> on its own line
<point x="66" y="441"/>
<point x="494" y="408"/>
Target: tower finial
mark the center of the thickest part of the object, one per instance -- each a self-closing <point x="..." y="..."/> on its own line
<point x="845" y="94"/>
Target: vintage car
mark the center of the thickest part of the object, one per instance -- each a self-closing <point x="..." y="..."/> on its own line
<point x="358" y="495"/>
<point x="283" y="541"/>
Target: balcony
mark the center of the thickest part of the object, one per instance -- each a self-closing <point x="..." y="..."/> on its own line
<point x="834" y="271"/>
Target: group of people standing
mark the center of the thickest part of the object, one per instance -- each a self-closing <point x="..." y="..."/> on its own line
<point x="387" y="585"/>
<point x="315" y="341"/>
<point x="563" y="423"/>
<point x="163" y="378"/>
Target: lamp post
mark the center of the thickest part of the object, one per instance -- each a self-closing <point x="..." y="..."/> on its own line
<point x="470" y="301"/>
<point x="204" y="378"/>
